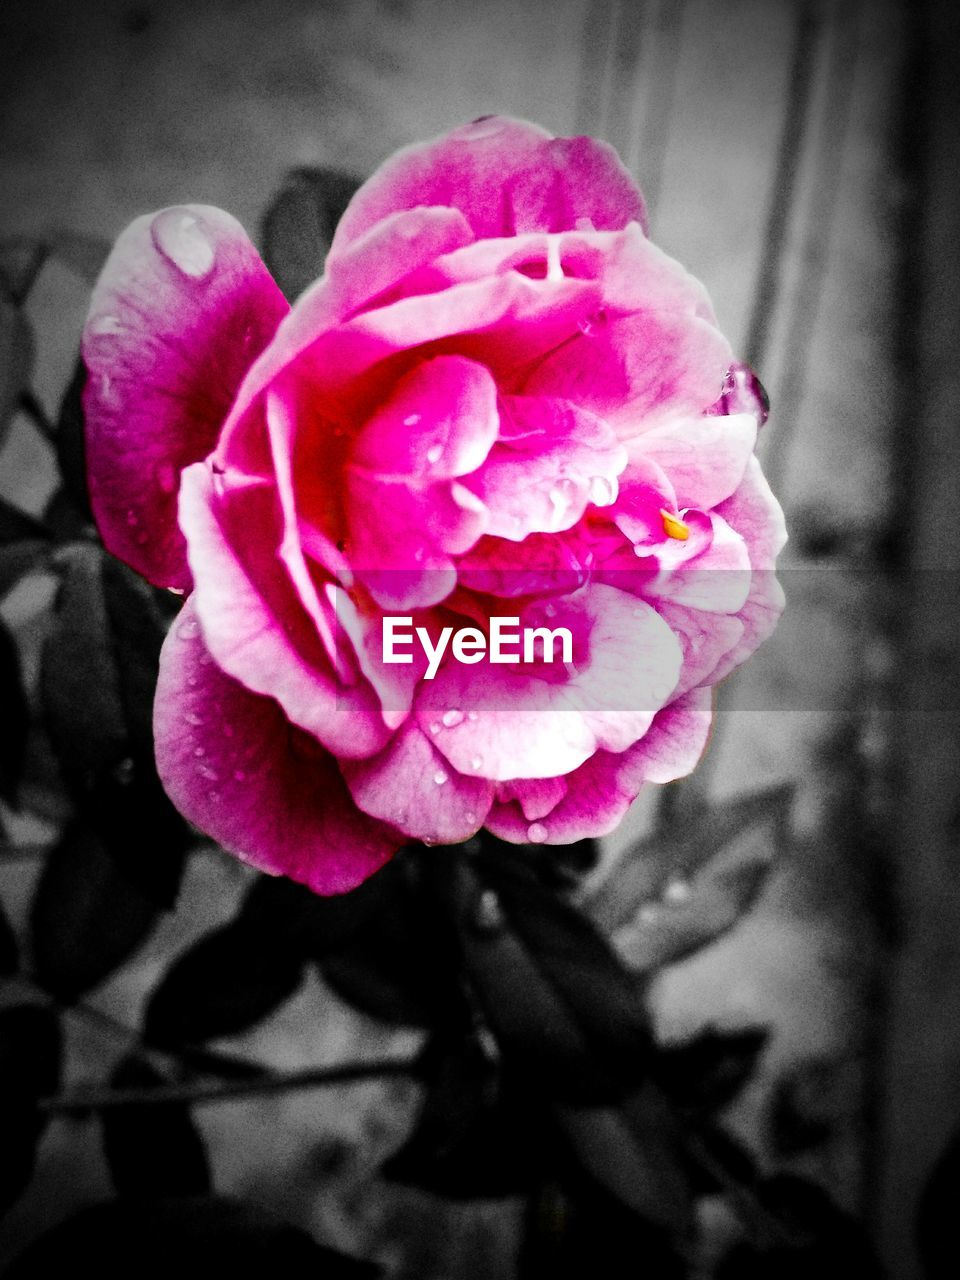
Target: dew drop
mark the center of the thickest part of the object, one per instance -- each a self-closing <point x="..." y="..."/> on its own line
<point x="676" y="891"/>
<point x="412" y="420"/>
<point x="180" y="238"/>
<point x="471" y="715"/>
<point x="209" y="774"/>
<point x="199" y="752"/>
<point x="536" y="833"/>
<point x="562" y="495"/>
<point x="476" y="763"/>
<point x="488" y="913"/>
<point x="167" y="477"/>
<point x="191" y="717"/>
<point x="452" y="718"/>
<point x="188" y="629"/>
<point x="132" y="518"/>
<point x="742" y="392"/>
<point x="482" y="127"/>
<point x="213" y="797"/>
<point x="239" y="775"/>
<point x="434" y="453"/>
<point x="435" y="726"/>
<point x="105" y="324"/>
<point x="602" y="491"/>
<point x="440" y="777"/>
<point x="470" y="817"/>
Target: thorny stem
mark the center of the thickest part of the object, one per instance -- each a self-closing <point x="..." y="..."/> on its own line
<point x="80" y="1100"/>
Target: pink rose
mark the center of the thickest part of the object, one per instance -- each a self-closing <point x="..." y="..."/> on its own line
<point x="500" y="400"/>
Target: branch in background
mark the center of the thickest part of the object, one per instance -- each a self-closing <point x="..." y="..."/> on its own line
<point x="81" y="1100"/>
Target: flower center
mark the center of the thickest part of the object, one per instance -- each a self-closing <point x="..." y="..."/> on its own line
<point x="674" y="527"/>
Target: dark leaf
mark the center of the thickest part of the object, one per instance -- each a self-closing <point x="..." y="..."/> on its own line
<point x="299" y="225"/>
<point x="16" y="359"/>
<point x="209" y="1235"/>
<point x="16" y="718"/>
<point x="287" y="916"/>
<point x="556" y="995"/>
<point x="685" y="846"/>
<point x="152" y="1149"/>
<point x="936" y="1223"/>
<point x="83" y="254"/>
<point x="803" y="1107"/>
<point x="23" y="541"/>
<point x="21" y="259"/>
<point x="708" y="1072"/>
<point x="572" y="1232"/>
<point x="475" y="1136"/>
<point x="813" y="1237"/>
<point x="9" y="952"/>
<point x="87" y="916"/>
<point x="97" y="666"/>
<point x="71" y="445"/>
<point x="29" y="1069"/>
<point x="694" y="912"/>
<point x="570" y="1021"/>
<point x="400" y="964"/>
<point x="221" y="986"/>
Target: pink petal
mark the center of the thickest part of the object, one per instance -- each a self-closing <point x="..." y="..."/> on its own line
<point x="551" y="461"/>
<point x="599" y="793"/>
<point x="638" y="371"/>
<point x="703" y="457"/>
<point x="233" y="764"/>
<point x="717" y="580"/>
<point x="253" y="622"/>
<point x="506" y="176"/>
<point x="368" y="268"/>
<point x="412" y="786"/>
<point x="183" y="307"/>
<point x="537" y="721"/>
<point x="439" y="423"/>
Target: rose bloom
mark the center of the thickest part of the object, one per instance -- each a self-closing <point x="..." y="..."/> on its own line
<point x="500" y="399"/>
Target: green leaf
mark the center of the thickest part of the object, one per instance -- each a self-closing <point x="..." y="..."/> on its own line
<point x="16" y="718"/>
<point x="30" y="1051"/>
<point x="87" y="916"/>
<point x="16" y="360"/>
<point x="299" y="225"/>
<point x="152" y="1149"/>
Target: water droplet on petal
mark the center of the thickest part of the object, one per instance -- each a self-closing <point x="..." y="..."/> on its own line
<point x="191" y="717"/>
<point x="482" y="127"/>
<point x="209" y="774"/>
<point x="488" y="913"/>
<point x="536" y="833"/>
<point x="476" y="763"/>
<point x="167" y="477"/>
<point x="188" y="628"/>
<point x="562" y="495"/>
<point x="239" y="775"/>
<point x="132" y="518"/>
<point x="471" y="715"/>
<point x="105" y="324"/>
<point x="742" y="392"/>
<point x="198" y="752"/>
<point x="470" y="817"/>
<point x="213" y="797"/>
<point x="440" y="777"/>
<point x="602" y="491"/>
<point x="183" y="242"/>
<point x="435" y="726"/>
<point x="452" y="718"/>
<point x="412" y="420"/>
<point x="434" y="453"/>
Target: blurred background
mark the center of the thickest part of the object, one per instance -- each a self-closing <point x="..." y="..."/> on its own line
<point x="801" y="159"/>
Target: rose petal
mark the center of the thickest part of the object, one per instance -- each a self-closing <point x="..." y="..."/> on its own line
<point x="183" y="307"/>
<point x="256" y="630"/>
<point x="233" y="764"/>
<point x="599" y="793"/>
<point x="639" y="371"/>
<point x="551" y="461"/>
<point x="703" y="457"/>
<point x="412" y="786"/>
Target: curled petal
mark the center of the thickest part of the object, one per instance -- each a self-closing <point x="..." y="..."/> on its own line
<point x="182" y="309"/>
<point x="411" y="785"/>
<point x="598" y="794"/>
<point x="234" y="765"/>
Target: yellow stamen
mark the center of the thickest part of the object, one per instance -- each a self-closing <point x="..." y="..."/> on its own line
<point x="674" y="527"/>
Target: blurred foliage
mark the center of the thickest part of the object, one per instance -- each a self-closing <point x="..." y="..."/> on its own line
<point x="540" y="1075"/>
